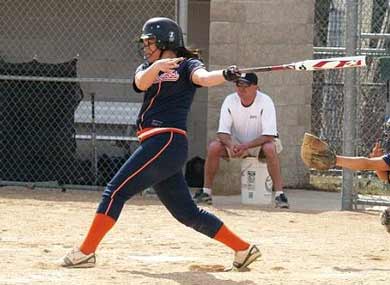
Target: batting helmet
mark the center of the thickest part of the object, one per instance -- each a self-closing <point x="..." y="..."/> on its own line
<point x="167" y="33"/>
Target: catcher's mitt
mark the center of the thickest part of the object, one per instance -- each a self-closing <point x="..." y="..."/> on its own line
<point x="385" y="219"/>
<point x="316" y="153"/>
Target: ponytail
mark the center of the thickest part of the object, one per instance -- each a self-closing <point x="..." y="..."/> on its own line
<point x="187" y="53"/>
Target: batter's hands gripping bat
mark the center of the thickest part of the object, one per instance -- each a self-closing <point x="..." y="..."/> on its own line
<point x="313" y="64"/>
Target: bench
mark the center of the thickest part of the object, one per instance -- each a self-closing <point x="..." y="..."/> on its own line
<point x="371" y="200"/>
<point x="117" y="114"/>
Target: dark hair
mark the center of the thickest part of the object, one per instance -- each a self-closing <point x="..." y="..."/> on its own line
<point x="187" y="53"/>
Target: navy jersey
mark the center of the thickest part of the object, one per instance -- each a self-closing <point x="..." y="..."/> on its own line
<point x="168" y="100"/>
<point x="386" y="158"/>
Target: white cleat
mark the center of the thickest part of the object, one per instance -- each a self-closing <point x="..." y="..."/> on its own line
<point x="76" y="259"/>
<point x="243" y="258"/>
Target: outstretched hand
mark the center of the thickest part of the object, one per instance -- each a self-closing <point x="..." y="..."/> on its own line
<point x="376" y="151"/>
<point x="168" y="64"/>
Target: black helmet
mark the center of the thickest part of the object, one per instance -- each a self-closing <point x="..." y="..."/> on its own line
<point x="167" y="33"/>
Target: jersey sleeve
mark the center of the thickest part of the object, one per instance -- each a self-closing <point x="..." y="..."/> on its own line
<point x="193" y="65"/>
<point x="225" y="119"/>
<point x="139" y="68"/>
<point x="268" y="118"/>
<point x="386" y="158"/>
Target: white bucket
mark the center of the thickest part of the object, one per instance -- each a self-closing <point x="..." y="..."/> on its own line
<point x="256" y="184"/>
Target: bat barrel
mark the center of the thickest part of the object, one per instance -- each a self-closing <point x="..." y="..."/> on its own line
<point x="334" y="63"/>
<point x="314" y="64"/>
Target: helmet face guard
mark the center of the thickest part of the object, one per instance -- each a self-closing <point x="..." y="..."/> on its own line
<point x="147" y="37"/>
<point x="166" y="32"/>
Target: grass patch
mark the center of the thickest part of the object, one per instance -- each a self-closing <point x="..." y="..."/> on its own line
<point x="367" y="184"/>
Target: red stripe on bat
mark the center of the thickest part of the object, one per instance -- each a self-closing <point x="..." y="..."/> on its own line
<point x="320" y="64"/>
<point x="342" y="63"/>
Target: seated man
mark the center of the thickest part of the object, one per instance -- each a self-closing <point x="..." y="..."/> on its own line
<point x="247" y="127"/>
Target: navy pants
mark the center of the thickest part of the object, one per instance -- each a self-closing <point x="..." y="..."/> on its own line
<point x="158" y="162"/>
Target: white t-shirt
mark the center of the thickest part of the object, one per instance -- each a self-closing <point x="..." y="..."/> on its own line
<point x="248" y="123"/>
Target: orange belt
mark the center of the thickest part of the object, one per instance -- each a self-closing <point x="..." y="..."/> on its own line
<point x="149" y="132"/>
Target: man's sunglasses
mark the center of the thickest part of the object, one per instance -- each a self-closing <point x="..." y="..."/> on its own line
<point x="242" y="84"/>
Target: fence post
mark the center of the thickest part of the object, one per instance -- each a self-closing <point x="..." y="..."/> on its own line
<point x="183" y="17"/>
<point x="93" y="141"/>
<point x="350" y="98"/>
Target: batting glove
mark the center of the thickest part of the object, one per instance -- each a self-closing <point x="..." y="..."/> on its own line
<point x="231" y="73"/>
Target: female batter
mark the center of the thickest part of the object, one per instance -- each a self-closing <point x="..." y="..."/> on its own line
<point x="169" y="79"/>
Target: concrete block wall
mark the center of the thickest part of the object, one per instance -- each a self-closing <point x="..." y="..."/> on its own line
<point x="258" y="33"/>
<point x="198" y="37"/>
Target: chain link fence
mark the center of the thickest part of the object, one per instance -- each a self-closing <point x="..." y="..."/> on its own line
<point x="328" y="93"/>
<point x="68" y="111"/>
<point x="328" y="87"/>
<point x="67" y="107"/>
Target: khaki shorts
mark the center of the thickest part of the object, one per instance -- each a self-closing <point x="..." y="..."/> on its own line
<point x="256" y="151"/>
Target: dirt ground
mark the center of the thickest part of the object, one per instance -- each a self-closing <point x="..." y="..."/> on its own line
<point x="147" y="246"/>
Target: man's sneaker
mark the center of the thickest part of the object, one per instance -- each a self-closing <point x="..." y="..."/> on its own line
<point x="197" y="194"/>
<point x="201" y="197"/>
<point x="77" y="259"/>
<point x="281" y="201"/>
<point x="385" y="219"/>
<point x="243" y="258"/>
<point x="149" y="192"/>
